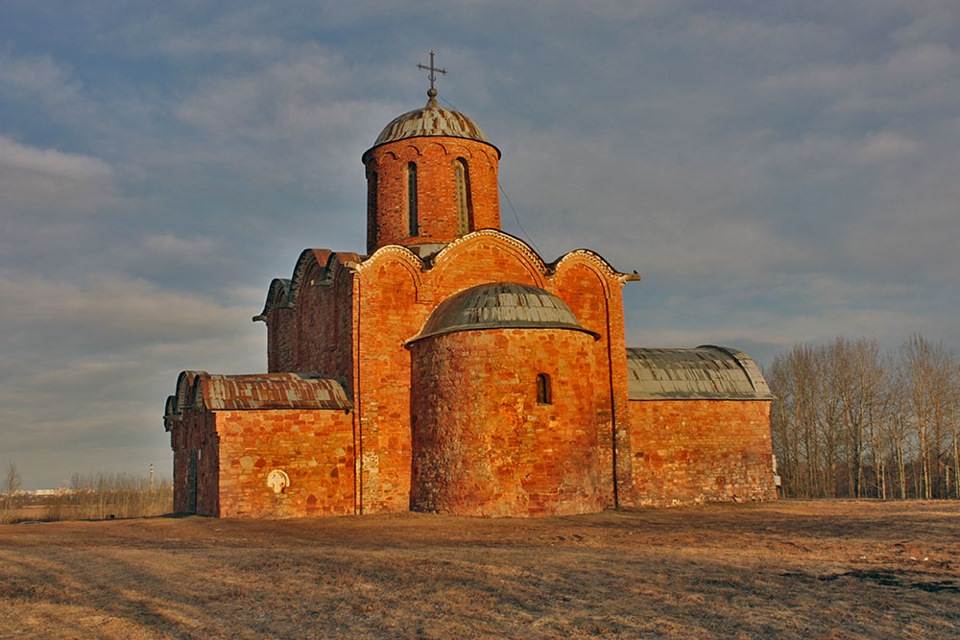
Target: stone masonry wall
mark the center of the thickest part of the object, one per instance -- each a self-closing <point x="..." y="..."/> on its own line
<point x="313" y="447"/>
<point x="482" y="443"/>
<point x="692" y="451"/>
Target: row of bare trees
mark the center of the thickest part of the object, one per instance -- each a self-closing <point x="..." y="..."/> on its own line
<point x="851" y="420"/>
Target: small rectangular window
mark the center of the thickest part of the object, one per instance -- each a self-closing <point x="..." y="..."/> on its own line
<point x="544" y="395"/>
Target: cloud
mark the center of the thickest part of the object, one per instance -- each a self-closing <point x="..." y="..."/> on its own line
<point x="85" y="368"/>
<point x="888" y="145"/>
<point x="108" y="309"/>
<point x="37" y="79"/>
<point x="36" y="180"/>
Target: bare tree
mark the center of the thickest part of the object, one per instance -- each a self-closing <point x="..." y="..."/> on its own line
<point x="11" y="488"/>
<point x="860" y="390"/>
<point x="12" y="483"/>
<point x="927" y="378"/>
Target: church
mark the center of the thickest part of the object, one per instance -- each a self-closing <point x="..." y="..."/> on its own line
<point x="450" y="369"/>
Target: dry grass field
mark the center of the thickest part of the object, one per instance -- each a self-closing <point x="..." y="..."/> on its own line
<point x="777" y="570"/>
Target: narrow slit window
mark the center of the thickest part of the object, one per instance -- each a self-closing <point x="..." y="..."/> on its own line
<point x="544" y="393"/>
<point x="413" y="225"/>
<point x="464" y="198"/>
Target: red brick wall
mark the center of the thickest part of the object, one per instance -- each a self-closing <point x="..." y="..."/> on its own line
<point x="315" y="449"/>
<point x="483" y="446"/>
<point x="393" y="297"/>
<point x="387" y="313"/>
<point x="324" y="322"/>
<point x="281" y="339"/>
<point x="195" y="432"/>
<point x="594" y="294"/>
<point x="690" y="451"/>
<point x="435" y="158"/>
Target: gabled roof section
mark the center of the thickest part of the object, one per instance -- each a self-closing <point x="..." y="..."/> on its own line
<point x="282" y="293"/>
<point x="705" y="373"/>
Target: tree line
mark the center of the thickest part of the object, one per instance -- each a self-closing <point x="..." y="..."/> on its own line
<point x="852" y="420"/>
<point x="89" y="497"/>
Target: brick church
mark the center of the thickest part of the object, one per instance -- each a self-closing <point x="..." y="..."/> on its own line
<point x="450" y="369"/>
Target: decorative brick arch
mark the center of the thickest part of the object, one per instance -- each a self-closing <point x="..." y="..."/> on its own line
<point x="278" y="297"/>
<point x="185" y="388"/>
<point x="596" y="263"/>
<point x="505" y="247"/>
<point x="397" y="255"/>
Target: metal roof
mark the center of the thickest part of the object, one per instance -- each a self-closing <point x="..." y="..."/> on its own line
<point x="259" y="391"/>
<point x="430" y="120"/>
<point x="272" y="391"/>
<point x="500" y="305"/>
<point x="705" y="373"/>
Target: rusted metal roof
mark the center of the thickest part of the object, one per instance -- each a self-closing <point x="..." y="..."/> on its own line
<point x="500" y="305"/>
<point x="705" y="373"/>
<point x="260" y="391"/>
<point x="430" y="120"/>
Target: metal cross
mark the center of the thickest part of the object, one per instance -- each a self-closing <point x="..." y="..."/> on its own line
<point x="432" y="69"/>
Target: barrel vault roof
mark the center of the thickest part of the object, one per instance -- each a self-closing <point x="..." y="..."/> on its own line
<point x="257" y="391"/>
<point x="705" y="373"/>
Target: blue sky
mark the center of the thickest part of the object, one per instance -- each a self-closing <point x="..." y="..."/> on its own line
<point x="778" y="172"/>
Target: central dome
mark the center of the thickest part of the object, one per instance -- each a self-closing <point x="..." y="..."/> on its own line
<point x="431" y="120"/>
<point x="500" y="305"/>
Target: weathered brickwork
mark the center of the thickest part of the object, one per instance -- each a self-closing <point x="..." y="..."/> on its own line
<point x="383" y="416"/>
<point x="593" y="291"/>
<point x="396" y="292"/>
<point x="324" y="324"/>
<point x="435" y="159"/>
<point x="482" y="443"/>
<point x="688" y="451"/>
<point x="313" y="447"/>
<point x="196" y="462"/>
<point x="386" y="314"/>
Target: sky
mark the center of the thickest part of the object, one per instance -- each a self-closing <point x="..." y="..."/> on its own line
<point x="777" y="172"/>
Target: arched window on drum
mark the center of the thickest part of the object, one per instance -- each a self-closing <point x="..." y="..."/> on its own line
<point x="413" y="224"/>
<point x="464" y="197"/>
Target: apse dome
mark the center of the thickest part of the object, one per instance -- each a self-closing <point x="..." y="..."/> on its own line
<point x="500" y="305"/>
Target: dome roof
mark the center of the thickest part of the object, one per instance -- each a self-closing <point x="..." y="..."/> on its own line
<point x="500" y="305"/>
<point x="431" y="120"/>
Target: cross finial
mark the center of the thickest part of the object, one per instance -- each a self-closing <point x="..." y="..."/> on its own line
<point x="433" y="74"/>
